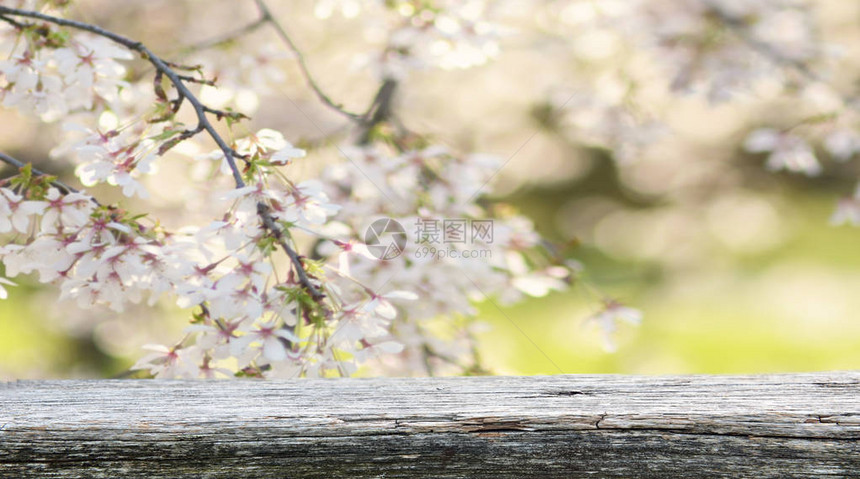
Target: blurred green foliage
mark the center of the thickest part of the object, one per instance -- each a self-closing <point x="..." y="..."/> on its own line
<point x="715" y="321"/>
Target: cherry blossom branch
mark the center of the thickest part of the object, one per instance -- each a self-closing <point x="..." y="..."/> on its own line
<point x="158" y="63"/>
<point x="163" y="67"/>
<point x="266" y="16"/>
<point x="278" y="234"/>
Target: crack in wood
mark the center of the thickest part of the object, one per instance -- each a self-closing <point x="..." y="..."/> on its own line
<point x="571" y="393"/>
<point x="564" y="393"/>
<point x="597" y="424"/>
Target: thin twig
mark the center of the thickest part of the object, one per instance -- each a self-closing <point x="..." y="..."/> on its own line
<point x="17" y="25"/>
<point x="20" y="164"/>
<point x="266" y="16"/>
<point x="227" y="38"/>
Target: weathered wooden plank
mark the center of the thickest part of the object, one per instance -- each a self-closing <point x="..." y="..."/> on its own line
<point x="798" y="425"/>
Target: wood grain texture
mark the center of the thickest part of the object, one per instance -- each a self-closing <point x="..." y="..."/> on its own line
<point x="797" y="425"/>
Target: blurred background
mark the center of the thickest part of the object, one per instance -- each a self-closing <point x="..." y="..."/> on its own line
<point x="736" y="268"/>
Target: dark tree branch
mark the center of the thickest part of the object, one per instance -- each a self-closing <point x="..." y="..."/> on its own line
<point x="20" y="164"/>
<point x="17" y="25"/>
<point x="278" y="233"/>
<point x="379" y="111"/>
